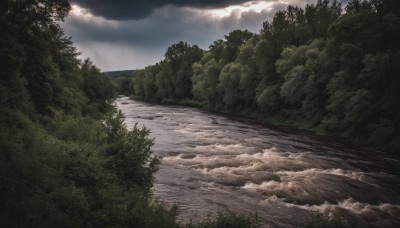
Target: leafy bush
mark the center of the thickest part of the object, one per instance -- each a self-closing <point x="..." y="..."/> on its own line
<point x="227" y="220"/>
<point x="319" y="220"/>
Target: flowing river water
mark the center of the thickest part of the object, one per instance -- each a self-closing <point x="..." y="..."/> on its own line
<point x="215" y="163"/>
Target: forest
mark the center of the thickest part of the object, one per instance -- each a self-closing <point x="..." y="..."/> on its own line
<point x="67" y="159"/>
<point x="66" y="156"/>
<point x="324" y="68"/>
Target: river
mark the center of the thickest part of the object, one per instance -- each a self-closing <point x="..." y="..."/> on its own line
<point x="214" y="163"/>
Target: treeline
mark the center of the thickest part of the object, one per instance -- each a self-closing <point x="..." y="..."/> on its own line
<point x="66" y="158"/>
<point x="321" y="68"/>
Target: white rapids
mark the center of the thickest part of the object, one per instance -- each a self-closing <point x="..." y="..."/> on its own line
<point x="214" y="163"/>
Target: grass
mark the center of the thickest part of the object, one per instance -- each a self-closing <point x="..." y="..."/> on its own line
<point x="319" y="220"/>
<point x="228" y="220"/>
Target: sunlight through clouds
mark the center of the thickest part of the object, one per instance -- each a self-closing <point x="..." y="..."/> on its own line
<point x="161" y="28"/>
<point x="80" y="12"/>
<point x="238" y="10"/>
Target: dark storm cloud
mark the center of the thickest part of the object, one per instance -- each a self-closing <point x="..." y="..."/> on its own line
<point x="162" y="29"/>
<point x="131" y="44"/>
<point x="139" y="9"/>
<point x="166" y="26"/>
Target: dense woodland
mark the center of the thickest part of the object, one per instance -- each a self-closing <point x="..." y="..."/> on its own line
<point x="66" y="158"/>
<point x="322" y="68"/>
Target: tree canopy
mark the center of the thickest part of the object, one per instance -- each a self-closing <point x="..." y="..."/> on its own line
<point x="321" y="68"/>
<point x="66" y="158"/>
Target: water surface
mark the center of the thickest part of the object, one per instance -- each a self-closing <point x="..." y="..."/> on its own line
<point x="211" y="162"/>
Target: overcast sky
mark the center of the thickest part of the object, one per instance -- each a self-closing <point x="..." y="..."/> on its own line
<point x="131" y="34"/>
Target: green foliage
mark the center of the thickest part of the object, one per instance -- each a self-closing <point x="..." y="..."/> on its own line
<point x="233" y="41"/>
<point x="269" y="99"/>
<point x="319" y="220"/>
<point x="137" y="83"/>
<point x="72" y="100"/>
<point x="306" y="72"/>
<point x="97" y="87"/>
<point x="149" y="86"/>
<point x="129" y="154"/>
<point x="320" y="68"/>
<point x="250" y="77"/>
<point x="124" y="85"/>
<point x="228" y="219"/>
<point x="155" y="214"/>
<point x="205" y="82"/>
<point x="170" y="79"/>
<point x="63" y="162"/>
<point x="78" y="170"/>
<point x="229" y="85"/>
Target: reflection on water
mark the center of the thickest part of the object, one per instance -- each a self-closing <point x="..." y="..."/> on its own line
<point x="212" y="163"/>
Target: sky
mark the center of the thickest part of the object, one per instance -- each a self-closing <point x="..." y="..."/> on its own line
<point x="132" y="34"/>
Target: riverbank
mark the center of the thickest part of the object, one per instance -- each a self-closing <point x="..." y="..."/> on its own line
<point x="280" y="124"/>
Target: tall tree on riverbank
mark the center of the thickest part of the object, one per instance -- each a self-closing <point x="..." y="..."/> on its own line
<point x="171" y="78"/>
<point x="321" y="68"/>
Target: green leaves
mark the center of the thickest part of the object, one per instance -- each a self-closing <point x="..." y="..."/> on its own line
<point x="229" y="85"/>
<point x="170" y="79"/>
<point x="78" y="170"/>
<point x="228" y="219"/>
<point x="319" y="220"/>
<point x="58" y="167"/>
<point x="315" y="68"/>
<point x="129" y="154"/>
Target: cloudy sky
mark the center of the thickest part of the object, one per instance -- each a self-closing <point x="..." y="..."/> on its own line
<point x="131" y="34"/>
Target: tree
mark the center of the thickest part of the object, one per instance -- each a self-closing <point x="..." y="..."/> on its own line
<point x="137" y="83"/>
<point x="205" y="83"/>
<point x="233" y="41"/>
<point x="60" y="168"/>
<point x="177" y="67"/>
<point x="321" y="15"/>
<point x="229" y="85"/>
<point x="97" y="87"/>
<point x="149" y="85"/>
<point x="250" y="77"/>
<point x="129" y="154"/>
<point x="165" y="88"/>
<point x="356" y="6"/>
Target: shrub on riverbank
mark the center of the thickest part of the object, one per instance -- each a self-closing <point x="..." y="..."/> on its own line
<point x="227" y="219"/>
<point x="66" y="158"/>
<point x="318" y="220"/>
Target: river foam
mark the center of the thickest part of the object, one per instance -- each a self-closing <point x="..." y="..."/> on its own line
<point x="213" y="163"/>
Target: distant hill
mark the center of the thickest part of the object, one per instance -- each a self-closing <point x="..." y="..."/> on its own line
<point x="121" y="73"/>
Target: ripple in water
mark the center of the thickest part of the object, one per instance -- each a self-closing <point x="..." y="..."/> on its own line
<point x="213" y="163"/>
